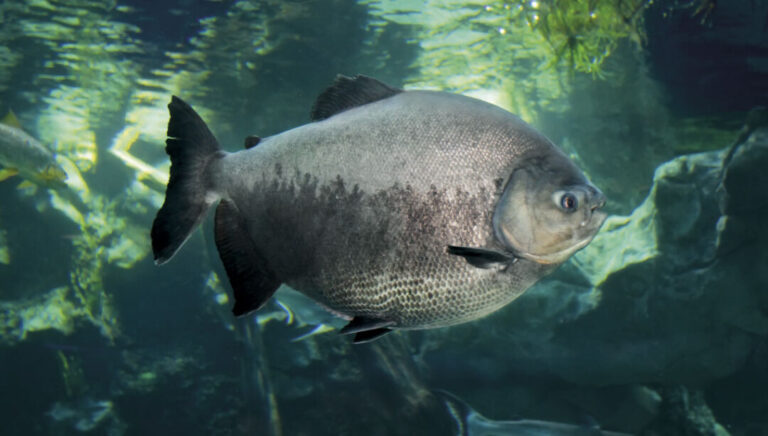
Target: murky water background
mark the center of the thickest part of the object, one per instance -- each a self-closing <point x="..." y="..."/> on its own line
<point x="657" y="328"/>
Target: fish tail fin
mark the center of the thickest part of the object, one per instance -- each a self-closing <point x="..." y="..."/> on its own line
<point x="458" y="409"/>
<point x="189" y="194"/>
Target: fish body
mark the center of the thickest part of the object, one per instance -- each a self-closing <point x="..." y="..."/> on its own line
<point x="22" y="154"/>
<point x="304" y="312"/>
<point x="395" y="209"/>
<point x="83" y="415"/>
<point x="471" y="423"/>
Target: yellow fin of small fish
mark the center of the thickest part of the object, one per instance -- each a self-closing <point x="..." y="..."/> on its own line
<point x="6" y="173"/>
<point x="11" y="120"/>
<point x="27" y="187"/>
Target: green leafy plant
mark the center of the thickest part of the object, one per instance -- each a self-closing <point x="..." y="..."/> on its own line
<point x="585" y="32"/>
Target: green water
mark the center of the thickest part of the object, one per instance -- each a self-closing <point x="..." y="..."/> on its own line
<point x="658" y="327"/>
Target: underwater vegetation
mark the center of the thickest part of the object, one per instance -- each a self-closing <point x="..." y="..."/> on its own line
<point x="5" y="256"/>
<point x="657" y="328"/>
<point x="584" y="33"/>
<point x="514" y="49"/>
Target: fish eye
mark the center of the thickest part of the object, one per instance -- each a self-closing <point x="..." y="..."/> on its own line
<point x="569" y="202"/>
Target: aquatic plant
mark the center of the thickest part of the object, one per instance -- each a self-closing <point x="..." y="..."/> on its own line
<point x="92" y="74"/>
<point x="142" y="372"/>
<point x="215" y="292"/>
<point x="8" y="60"/>
<point x="513" y="53"/>
<point x="80" y="56"/>
<point x="52" y="310"/>
<point x="106" y="237"/>
<point x="238" y="56"/>
<point x="584" y="33"/>
<point x="5" y="254"/>
<point x="88" y="72"/>
<point x="72" y="373"/>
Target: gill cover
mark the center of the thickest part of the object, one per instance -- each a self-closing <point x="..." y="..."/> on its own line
<point x="548" y="210"/>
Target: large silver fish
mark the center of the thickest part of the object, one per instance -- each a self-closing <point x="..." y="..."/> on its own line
<point x="394" y="209"/>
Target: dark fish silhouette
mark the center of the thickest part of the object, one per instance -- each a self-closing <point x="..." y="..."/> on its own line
<point x="469" y="422"/>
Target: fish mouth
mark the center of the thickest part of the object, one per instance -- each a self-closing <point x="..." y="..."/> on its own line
<point x="596" y="216"/>
<point x="598" y="200"/>
<point x="595" y="220"/>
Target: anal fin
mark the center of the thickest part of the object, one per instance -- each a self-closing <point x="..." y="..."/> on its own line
<point x="366" y="328"/>
<point x="253" y="283"/>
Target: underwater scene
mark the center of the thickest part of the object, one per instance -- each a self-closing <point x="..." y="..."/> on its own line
<point x="384" y="217"/>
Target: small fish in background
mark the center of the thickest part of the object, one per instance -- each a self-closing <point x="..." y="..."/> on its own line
<point x="85" y="414"/>
<point x="394" y="209"/>
<point x="298" y="311"/>
<point x="471" y="423"/>
<point x="304" y="313"/>
<point x="22" y="154"/>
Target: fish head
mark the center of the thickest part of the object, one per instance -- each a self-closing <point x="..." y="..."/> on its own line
<point x="52" y="176"/>
<point x="548" y="210"/>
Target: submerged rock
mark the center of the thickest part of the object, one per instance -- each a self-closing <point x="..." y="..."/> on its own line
<point x="684" y="412"/>
<point x="86" y="415"/>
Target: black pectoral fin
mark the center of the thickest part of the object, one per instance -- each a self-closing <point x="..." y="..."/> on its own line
<point x="480" y="257"/>
<point x="253" y="283"/>
<point x="364" y="324"/>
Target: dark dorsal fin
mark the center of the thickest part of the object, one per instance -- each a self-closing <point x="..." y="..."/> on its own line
<point x="251" y="141"/>
<point x="348" y="92"/>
